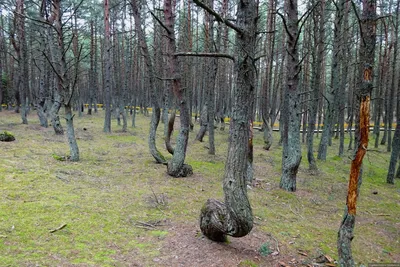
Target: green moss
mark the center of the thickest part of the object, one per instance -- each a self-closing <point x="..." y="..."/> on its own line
<point x="6" y="137"/>
<point x="247" y="263"/>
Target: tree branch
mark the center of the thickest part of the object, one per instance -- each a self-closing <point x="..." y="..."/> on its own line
<point x="218" y="17"/>
<point x="161" y="23"/>
<point x="52" y="66"/>
<point x="194" y="54"/>
<point x="284" y="23"/>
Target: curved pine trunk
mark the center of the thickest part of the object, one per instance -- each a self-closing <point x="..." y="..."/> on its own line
<point x="155" y="118"/>
<point x="176" y="166"/>
<point x="234" y="216"/>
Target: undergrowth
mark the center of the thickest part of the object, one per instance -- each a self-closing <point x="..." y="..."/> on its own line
<point x="113" y="203"/>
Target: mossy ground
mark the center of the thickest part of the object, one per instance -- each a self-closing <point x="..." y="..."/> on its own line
<point x="116" y="201"/>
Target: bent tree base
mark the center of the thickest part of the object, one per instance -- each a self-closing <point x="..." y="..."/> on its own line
<point x="212" y="220"/>
<point x="217" y="221"/>
<point x="184" y="171"/>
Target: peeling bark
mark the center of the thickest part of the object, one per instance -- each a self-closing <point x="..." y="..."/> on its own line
<point x="365" y="85"/>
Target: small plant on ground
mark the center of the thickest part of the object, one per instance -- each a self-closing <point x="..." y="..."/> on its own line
<point x="264" y="249"/>
<point x="6" y="137"/>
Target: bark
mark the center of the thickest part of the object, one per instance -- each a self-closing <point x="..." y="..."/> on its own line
<point x="155" y="118"/>
<point x="365" y="84"/>
<point x="212" y="75"/>
<point x="91" y="70"/>
<point x="396" y="138"/>
<point x="267" y="88"/>
<point x="176" y="166"/>
<point x="234" y="216"/>
<point x="19" y="44"/>
<point x="394" y="155"/>
<point x="203" y="124"/>
<point x="2" y="55"/>
<point x="291" y="152"/>
<point x="343" y="80"/>
<point x="54" y="117"/>
<point x="65" y="86"/>
<point x="392" y="84"/>
<point x="315" y="83"/>
<point x="41" y="101"/>
<point x="332" y="94"/>
<point x="267" y="130"/>
<point x="107" y="68"/>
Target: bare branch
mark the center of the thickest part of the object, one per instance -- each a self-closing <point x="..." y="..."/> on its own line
<point x="284" y="23"/>
<point x="52" y="66"/>
<point x="161" y="23"/>
<point x="194" y="54"/>
<point x="218" y="17"/>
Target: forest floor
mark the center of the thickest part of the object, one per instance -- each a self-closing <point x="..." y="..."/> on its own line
<point x="116" y="207"/>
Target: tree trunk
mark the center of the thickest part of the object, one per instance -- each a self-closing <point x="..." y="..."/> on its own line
<point x="73" y="146"/>
<point x="291" y="151"/>
<point x="332" y="94"/>
<point x="19" y="44"/>
<point x="393" y="83"/>
<point x="41" y="101"/>
<point x="234" y="217"/>
<point x="365" y="84"/>
<point x="396" y="138"/>
<point x="176" y="166"/>
<point x="54" y="117"/>
<point x="344" y="70"/>
<point x="155" y="118"/>
<point x="107" y="68"/>
<point x="317" y="68"/>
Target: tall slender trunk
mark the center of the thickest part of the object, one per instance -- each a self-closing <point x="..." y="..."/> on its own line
<point x="343" y="82"/>
<point x="392" y="87"/>
<point x="107" y="68"/>
<point x="267" y="88"/>
<point x="19" y="44"/>
<point x="365" y="85"/>
<point x="332" y="94"/>
<point x="315" y="83"/>
<point x="396" y="138"/>
<point x="291" y="151"/>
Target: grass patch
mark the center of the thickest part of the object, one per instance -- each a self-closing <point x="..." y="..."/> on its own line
<point x="117" y="184"/>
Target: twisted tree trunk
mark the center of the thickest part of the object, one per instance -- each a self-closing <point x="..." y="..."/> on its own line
<point x="234" y="216"/>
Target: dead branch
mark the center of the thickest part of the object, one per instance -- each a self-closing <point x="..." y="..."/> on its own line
<point x="218" y="17"/>
<point x="58" y="228"/>
<point x="195" y="54"/>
